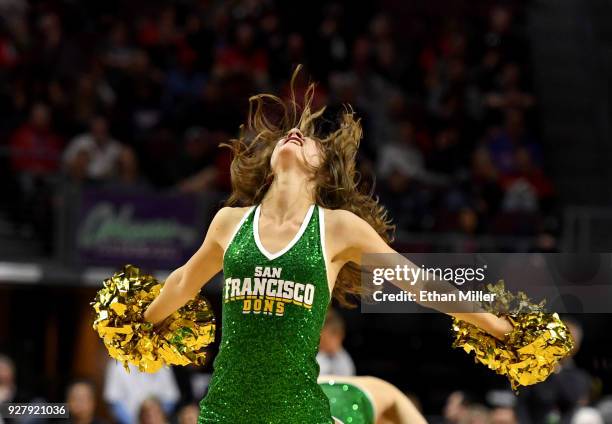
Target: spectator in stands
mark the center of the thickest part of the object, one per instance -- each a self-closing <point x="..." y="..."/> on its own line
<point x="332" y="358"/>
<point x="545" y="242"/>
<point x="199" y="39"/>
<point x="484" y="186"/>
<point x="402" y="158"/>
<point x="93" y="95"/>
<point x="9" y="55"/>
<point x="502" y="34"/>
<point x="587" y="415"/>
<point x="118" y="53"/>
<point x="450" y="93"/>
<point x="467" y="222"/>
<point x="197" y="171"/>
<point x="8" y="383"/>
<point x="35" y="147"/>
<point x="61" y="103"/>
<point x="404" y="178"/>
<point x="77" y="169"/>
<point x="81" y="400"/>
<point x="35" y="156"/>
<point x="128" y="176"/>
<point x="188" y="414"/>
<point x="243" y="55"/>
<point x="530" y="176"/>
<point x="605" y="409"/>
<point x="514" y="135"/>
<point x="447" y="155"/>
<point x="124" y="393"/>
<point x="330" y="44"/>
<point x="476" y="414"/>
<point x="509" y="94"/>
<point x="502" y="404"/>
<point x="54" y="53"/>
<point x="102" y="151"/>
<point x="184" y="84"/>
<point x="151" y="412"/>
<point x="141" y="86"/>
<point x="520" y="196"/>
<point x="456" y="408"/>
<point x="503" y="415"/>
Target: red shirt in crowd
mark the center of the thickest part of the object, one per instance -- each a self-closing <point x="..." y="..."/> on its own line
<point x="235" y="60"/>
<point x="35" y="150"/>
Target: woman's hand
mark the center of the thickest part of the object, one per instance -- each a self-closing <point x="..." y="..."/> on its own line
<point x="503" y="328"/>
<point x="496" y="326"/>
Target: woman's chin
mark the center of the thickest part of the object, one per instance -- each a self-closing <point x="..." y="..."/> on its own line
<point x="287" y="161"/>
<point x="289" y="154"/>
<point x="290" y="147"/>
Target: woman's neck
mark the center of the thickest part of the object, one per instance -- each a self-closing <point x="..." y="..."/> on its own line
<point x="289" y="195"/>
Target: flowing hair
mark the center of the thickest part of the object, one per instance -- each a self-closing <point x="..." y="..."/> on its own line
<point x="337" y="184"/>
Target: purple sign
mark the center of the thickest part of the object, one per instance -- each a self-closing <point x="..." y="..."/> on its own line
<point x="146" y="229"/>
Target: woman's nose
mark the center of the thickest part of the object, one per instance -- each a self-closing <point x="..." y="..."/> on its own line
<point x="295" y="131"/>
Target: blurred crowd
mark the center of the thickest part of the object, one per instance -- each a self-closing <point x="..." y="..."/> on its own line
<point x="139" y="95"/>
<point x="172" y="394"/>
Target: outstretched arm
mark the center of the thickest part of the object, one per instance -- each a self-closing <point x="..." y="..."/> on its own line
<point x="184" y="283"/>
<point x="359" y="238"/>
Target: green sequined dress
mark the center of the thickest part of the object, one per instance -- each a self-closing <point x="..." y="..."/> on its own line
<point x="348" y="402"/>
<point x="274" y="305"/>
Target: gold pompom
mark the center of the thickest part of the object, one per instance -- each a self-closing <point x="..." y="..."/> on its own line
<point x="530" y="353"/>
<point x="119" y="306"/>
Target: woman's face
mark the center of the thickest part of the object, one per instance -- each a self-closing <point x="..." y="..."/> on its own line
<point x="296" y="149"/>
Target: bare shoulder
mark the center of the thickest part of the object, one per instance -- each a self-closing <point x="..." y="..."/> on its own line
<point x="350" y="236"/>
<point x="341" y="221"/>
<point x="226" y="219"/>
<point x="230" y="216"/>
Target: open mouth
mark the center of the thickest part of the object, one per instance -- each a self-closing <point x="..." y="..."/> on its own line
<point x="294" y="139"/>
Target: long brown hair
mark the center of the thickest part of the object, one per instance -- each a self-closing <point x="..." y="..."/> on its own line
<point x="337" y="183"/>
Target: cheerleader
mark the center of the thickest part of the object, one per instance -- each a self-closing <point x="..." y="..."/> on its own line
<point x="291" y="237"/>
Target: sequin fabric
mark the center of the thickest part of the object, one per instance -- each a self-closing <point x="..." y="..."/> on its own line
<point x="272" y="315"/>
<point x="349" y="403"/>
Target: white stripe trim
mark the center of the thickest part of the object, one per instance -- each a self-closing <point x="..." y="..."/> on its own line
<point x="244" y="217"/>
<point x="337" y="421"/>
<point x="262" y="249"/>
<point x="323" y="247"/>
